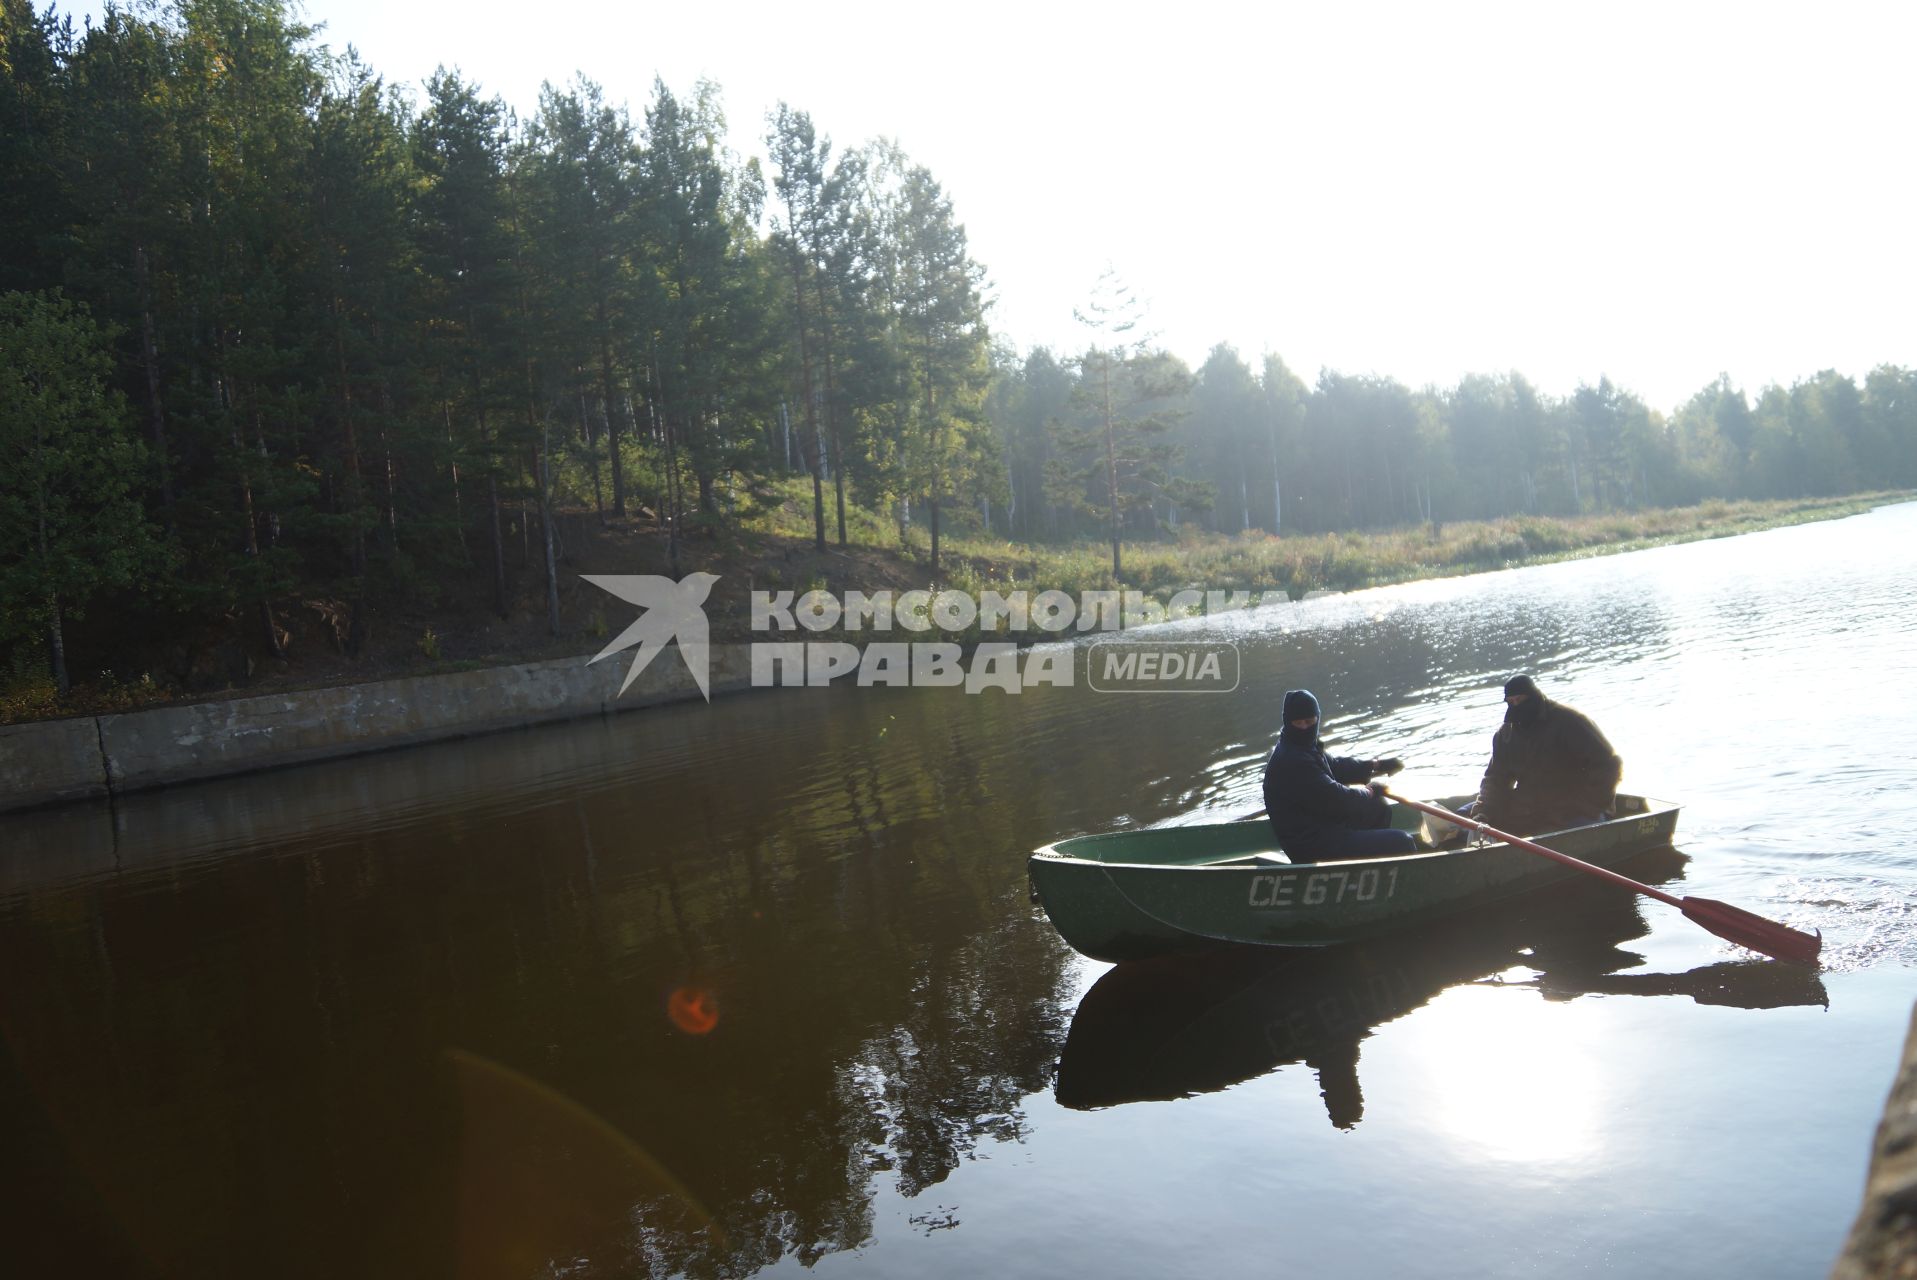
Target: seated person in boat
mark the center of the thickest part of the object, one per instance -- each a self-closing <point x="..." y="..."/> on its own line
<point x="1320" y="807"/>
<point x="1551" y="767"/>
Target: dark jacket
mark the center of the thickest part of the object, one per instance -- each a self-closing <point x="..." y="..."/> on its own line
<point x="1306" y="792"/>
<point x="1549" y="765"/>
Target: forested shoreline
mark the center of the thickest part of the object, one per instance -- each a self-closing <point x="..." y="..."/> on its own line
<point x="286" y="346"/>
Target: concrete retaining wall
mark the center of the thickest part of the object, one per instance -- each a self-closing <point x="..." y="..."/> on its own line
<point x="50" y="761"/>
<point x="59" y="760"/>
<point x="1883" y="1241"/>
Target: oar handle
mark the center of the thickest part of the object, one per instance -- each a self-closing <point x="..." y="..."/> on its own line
<point x="1472" y="824"/>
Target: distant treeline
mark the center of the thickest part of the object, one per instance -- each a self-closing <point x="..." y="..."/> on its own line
<point x="275" y="330"/>
<point x="1368" y="451"/>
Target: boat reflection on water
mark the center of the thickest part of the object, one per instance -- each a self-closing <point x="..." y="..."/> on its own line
<point x="1182" y="1025"/>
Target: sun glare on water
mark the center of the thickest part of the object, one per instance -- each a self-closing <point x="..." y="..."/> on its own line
<point x="1508" y="1078"/>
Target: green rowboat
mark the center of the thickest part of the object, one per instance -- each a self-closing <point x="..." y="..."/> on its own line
<point x="1132" y="895"/>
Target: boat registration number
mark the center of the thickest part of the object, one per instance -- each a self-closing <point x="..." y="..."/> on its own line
<point x="1316" y="888"/>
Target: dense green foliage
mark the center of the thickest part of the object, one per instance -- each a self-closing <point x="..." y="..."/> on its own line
<point x="367" y="343"/>
<point x="67" y="516"/>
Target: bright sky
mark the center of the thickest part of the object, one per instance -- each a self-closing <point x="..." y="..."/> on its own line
<point x="1654" y="192"/>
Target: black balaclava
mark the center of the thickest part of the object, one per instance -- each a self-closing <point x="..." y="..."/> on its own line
<point x="1531" y="708"/>
<point x="1300" y="704"/>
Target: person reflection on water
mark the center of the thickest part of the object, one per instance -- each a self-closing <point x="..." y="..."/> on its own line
<point x="1320" y="805"/>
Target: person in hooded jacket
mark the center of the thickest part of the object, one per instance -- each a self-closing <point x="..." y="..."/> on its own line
<point x="1320" y="806"/>
<point x="1551" y="767"/>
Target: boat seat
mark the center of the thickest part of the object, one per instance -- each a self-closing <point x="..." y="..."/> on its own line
<point x="1451" y="838"/>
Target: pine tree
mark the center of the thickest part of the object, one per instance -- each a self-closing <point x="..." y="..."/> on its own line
<point x="70" y="523"/>
<point x="1119" y="456"/>
<point x="466" y="264"/>
<point x="944" y="345"/>
<point x="36" y="201"/>
<point x="360" y="177"/>
<point x="705" y="315"/>
<point x="581" y="196"/>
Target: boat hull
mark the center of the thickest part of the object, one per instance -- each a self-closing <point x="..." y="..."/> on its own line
<point x="1134" y="895"/>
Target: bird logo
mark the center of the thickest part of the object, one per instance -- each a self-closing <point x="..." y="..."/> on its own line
<point x="671" y="611"/>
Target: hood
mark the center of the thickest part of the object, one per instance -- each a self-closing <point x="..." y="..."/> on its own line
<point x="1531" y="708"/>
<point x="1300" y="704"/>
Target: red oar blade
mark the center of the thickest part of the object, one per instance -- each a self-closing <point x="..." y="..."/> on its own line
<point x="1748" y="929"/>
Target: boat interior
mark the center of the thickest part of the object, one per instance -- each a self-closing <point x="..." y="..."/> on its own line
<point x="1250" y="842"/>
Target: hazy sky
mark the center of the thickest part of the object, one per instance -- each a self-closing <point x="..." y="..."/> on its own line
<point x="1656" y="192"/>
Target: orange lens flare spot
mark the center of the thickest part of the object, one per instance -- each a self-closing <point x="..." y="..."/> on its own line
<point x="693" y="1010"/>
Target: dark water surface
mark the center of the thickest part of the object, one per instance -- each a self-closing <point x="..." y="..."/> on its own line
<point x="757" y="987"/>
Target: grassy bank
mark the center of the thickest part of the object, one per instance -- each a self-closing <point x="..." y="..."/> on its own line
<point x="773" y="550"/>
<point x="1298" y="564"/>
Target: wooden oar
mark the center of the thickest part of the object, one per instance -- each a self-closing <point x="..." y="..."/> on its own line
<point x="1737" y="925"/>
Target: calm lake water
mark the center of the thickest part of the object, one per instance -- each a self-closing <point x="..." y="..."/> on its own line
<point x="758" y="988"/>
